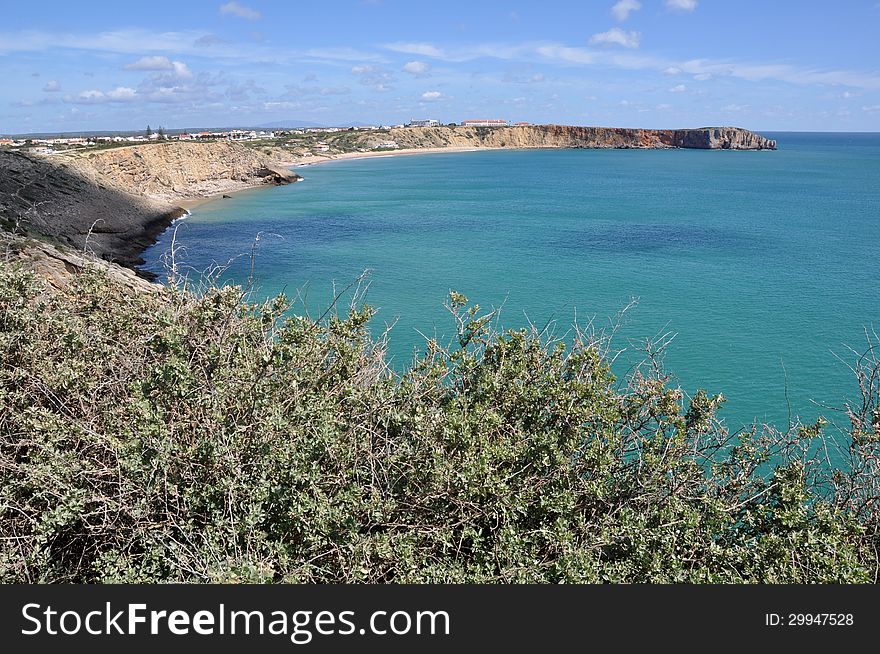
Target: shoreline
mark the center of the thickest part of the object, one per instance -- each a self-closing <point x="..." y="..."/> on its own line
<point x="312" y="160"/>
<point x="135" y="193"/>
<point x="190" y="203"/>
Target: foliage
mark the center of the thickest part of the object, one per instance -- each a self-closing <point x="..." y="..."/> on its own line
<point x="200" y="437"/>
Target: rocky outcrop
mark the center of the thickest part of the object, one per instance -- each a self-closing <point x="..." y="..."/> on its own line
<point x="180" y="170"/>
<point x="58" y="264"/>
<point x="566" y="136"/>
<point x="721" y="138"/>
<point x="115" y="203"/>
<point x="49" y="197"/>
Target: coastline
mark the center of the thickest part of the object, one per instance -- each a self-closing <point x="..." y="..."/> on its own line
<point x="135" y="192"/>
<point x="191" y="202"/>
<point x="194" y="201"/>
<point x="312" y="160"/>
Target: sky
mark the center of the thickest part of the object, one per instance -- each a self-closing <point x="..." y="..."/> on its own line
<point x="771" y="65"/>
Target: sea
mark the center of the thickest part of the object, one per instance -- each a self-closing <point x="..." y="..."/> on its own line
<point x="760" y="271"/>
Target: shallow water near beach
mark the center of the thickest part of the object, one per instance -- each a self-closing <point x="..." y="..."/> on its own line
<point x="763" y="264"/>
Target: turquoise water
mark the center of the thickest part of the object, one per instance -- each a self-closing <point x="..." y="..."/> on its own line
<point x="764" y="264"/>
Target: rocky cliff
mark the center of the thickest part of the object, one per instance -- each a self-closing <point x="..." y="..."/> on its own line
<point x="721" y="138"/>
<point x="180" y="170"/>
<point x="57" y="263"/>
<point x="565" y="136"/>
<point x="114" y="203"/>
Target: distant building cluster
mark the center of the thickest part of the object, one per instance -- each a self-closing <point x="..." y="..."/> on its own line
<point x="52" y="145"/>
<point x="229" y="135"/>
<point x="467" y="123"/>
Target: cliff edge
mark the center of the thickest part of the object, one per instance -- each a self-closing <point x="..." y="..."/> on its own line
<point x="180" y="170"/>
<point x="569" y="136"/>
<point x="115" y="203"/>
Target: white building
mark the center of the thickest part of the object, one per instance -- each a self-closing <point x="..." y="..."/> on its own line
<point x="423" y="123"/>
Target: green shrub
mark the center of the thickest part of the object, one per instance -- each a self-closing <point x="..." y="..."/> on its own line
<point x="183" y="437"/>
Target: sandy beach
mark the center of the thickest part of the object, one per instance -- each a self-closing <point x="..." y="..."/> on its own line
<point x="319" y="159"/>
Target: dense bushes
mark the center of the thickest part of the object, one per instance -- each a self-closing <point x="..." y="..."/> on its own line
<point x="175" y="437"/>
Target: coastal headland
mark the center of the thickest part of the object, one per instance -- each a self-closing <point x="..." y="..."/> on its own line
<point x="113" y="203"/>
<point x="569" y="136"/>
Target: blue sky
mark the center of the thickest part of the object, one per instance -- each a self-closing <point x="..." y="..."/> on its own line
<point x="764" y="65"/>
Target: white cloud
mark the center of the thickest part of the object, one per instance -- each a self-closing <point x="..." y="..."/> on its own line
<point x="163" y="64"/>
<point x="616" y="36"/>
<point x="193" y="42"/>
<point x="88" y="96"/>
<point x="622" y="9"/>
<point x="121" y="94"/>
<point x="524" y="78"/>
<point x="150" y="63"/>
<point x="678" y="88"/>
<point x="240" y="10"/>
<point x="424" y="49"/>
<point x="52" y="86"/>
<point x="295" y="91"/>
<point x="93" y="96"/>
<point x="464" y="53"/>
<point x="208" y="40"/>
<point x="682" y="5"/>
<point x="704" y="69"/>
<point x="432" y="95"/>
<point x="417" y="68"/>
<point x="567" y="55"/>
<point x="334" y="54"/>
<point x="373" y="76"/>
<point x="700" y="69"/>
<point x="181" y="70"/>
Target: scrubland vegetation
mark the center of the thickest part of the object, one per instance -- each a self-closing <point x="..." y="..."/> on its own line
<point x="199" y="437"/>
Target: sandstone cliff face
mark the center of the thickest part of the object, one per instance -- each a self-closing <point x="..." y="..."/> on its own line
<point x="169" y="171"/>
<point x="115" y="203"/>
<point x="721" y="138"/>
<point x="564" y="136"/>
<point x="49" y="197"/>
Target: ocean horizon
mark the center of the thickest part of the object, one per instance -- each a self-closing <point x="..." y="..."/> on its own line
<point x="759" y="266"/>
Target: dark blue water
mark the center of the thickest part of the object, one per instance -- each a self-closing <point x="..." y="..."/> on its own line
<point x="764" y="264"/>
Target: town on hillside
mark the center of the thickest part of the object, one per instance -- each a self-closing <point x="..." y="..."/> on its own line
<point x="47" y="145"/>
